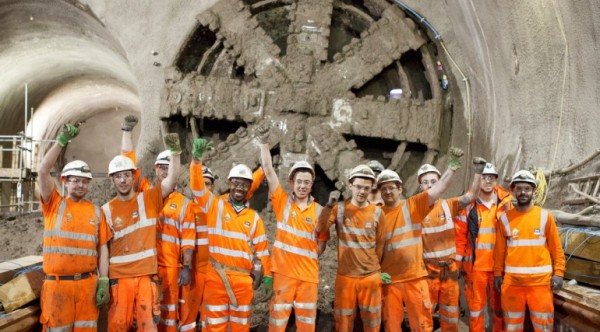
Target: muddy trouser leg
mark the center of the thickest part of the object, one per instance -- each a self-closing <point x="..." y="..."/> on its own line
<point x="369" y="302"/>
<point x="240" y="316"/>
<point x="448" y="299"/>
<point x="418" y="304"/>
<point x="281" y="303"/>
<point x="305" y="306"/>
<point x="344" y="303"/>
<point x="215" y="310"/>
<point x="70" y="304"/>
<point x="495" y="303"/>
<point x="190" y="302"/>
<point x="120" y="308"/>
<point x="476" y="291"/>
<point x="393" y="309"/>
<point x="170" y="298"/>
<point x="514" y="299"/>
<point x="541" y="307"/>
<point x="147" y="302"/>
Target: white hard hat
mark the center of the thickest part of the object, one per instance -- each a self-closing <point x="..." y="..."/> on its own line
<point x="375" y="165"/>
<point x="76" y="168"/>
<point x="240" y="171"/>
<point x="388" y="176"/>
<point x="427" y="168"/>
<point x="207" y="173"/>
<point x="163" y="158"/>
<point x="120" y="163"/>
<point x="361" y="171"/>
<point x="489" y="169"/>
<point x="523" y="176"/>
<point x="301" y="165"/>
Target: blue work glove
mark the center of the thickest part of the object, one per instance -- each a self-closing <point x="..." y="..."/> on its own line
<point x="184" y="276"/>
<point x="556" y="283"/>
<point x="386" y="279"/>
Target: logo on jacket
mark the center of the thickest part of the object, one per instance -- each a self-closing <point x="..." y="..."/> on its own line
<point x="368" y="225"/>
<point x="69" y="216"/>
<point x="174" y="206"/>
<point x="134" y="214"/>
<point x="427" y="219"/>
<point x="308" y="220"/>
<point x="536" y="231"/>
<point x="227" y="217"/>
<point x="247" y="224"/>
<point x="294" y="215"/>
<point x="118" y="221"/>
<point x="515" y="234"/>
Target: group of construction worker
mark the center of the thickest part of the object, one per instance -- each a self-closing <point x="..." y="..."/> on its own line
<point x="160" y="260"/>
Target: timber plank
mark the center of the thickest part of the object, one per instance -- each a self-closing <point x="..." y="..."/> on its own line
<point x="584" y="271"/>
<point x="23" y="319"/>
<point x="581" y="244"/>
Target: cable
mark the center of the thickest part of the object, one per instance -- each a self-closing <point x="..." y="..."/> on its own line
<point x="541" y="191"/>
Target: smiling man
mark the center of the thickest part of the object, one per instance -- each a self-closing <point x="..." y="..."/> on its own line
<point x="359" y="225"/>
<point x="75" y="237"/>
<point x="529" y="262"/>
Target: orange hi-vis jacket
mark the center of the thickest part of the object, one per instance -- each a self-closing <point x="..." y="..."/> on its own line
<point x="295" y="252"/>
<point x="476" y="228"/>
<point x="403" y="251"/>
<point x="176" y="229"/>
<point x="438" y="231"/>
<point x="72" y="233"/>
<point x="132" y="250"/>
<point x="234" y="239"/>
<point x="528" y="250"/>
<point x="201" y="249"/>
<point x="360" y="238"/>
<point x="140" y="183"/>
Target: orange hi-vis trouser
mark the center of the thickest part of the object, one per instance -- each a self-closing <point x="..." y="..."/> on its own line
<point x="291" y="292"/>
<point x="69" y="305"/>
<point x="191" y="302"/>
<point x="415" y="296"/>
<point x="479" y="289"/>
<point x="444" y="291"/>
<point x="132" y="297"/>
<point x="217" y="310"/>
<point x="364" y="292"/>
<point x="539" y="300"/>
<point x="170" y="297"/>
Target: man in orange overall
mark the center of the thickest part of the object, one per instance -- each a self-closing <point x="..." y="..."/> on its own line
<point x="74" y="250"/>
<point x="175" y="242"/>
<point x="403" y="253"/>
<point x="360" y="230"/>
<point x="236" y="241"/>
<point x="475" y="240"/>
<point x="133" y="266"/>
<point x="295" y="253"/>
<point x="529" y="262"/>
<point x="439" y="248"/>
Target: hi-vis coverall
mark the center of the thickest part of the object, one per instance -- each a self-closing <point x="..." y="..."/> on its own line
<point x="191" y="295"/>
<point x="176" y="232"/>
<point x="360" y="246"/>
<point x="133" y="261"/>
<point x="234" y="238"/>
<point x="528" y="251"/>
<point x="403" y="261"/>
<point x="295" y="264"/>
<point x="475" y="241"/>
<point x="439" y="251"/>
<point x="72" y="233"/>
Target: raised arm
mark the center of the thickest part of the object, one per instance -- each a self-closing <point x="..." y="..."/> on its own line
<point x="129" y="122"/>
<point x="262" y="136"/>
<point x="45" y="182"/>
<point x="453" y="165"/>
<point x="471" y="194"/>
<point x="168" y="184"/>
<point x="201" y="195"/>
<point x="323" y="221"/>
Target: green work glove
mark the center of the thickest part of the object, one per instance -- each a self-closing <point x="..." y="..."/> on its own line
<point x="68" y="132"/>
<point x="129" y="123"/>
<point x="267" y="285"/>
<point x="455" y="155"/>
<point x="386" y="279"/>
<point x="102" y="293"/>
<point x="199" y="146"/>
<point x="172" y="143"/>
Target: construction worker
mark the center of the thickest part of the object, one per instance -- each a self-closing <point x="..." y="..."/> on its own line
<point x="236" y="241"/>
<point x="140" y="183"/>
<point x="375" y="195"/>
<point x="133" y="266"/>
<point x="360" y="230"/>
<point x="75" y="254"/>
<point x="439" y="248"/>
<point x="529" y="262"/>
<point x="191" y="294"/>
<point x="294" y="259"/>
<point x="403" y="253"/>
<point x="475" y="240"/>
<point x="175" y="243"/>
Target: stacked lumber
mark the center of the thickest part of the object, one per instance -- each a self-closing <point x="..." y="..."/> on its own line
<point x="577" y="308"/>
<point x="19" y="288"/>
<point x="581" y="252"/>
